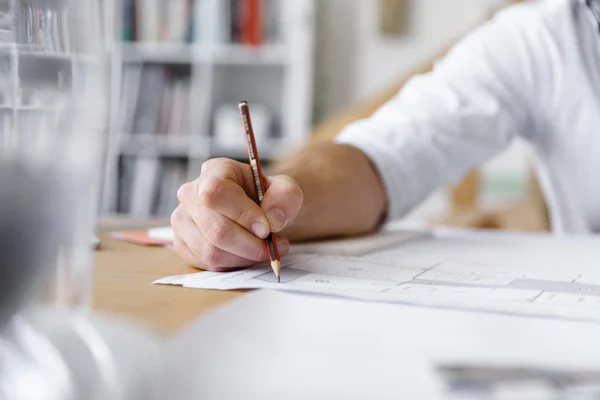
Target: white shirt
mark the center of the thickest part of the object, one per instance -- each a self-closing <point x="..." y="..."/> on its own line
<point x="533" y="71"/>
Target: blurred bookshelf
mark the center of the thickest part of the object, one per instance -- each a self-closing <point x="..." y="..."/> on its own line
<point x="179" y="68"/>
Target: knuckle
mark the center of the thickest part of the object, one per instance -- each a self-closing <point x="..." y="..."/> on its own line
<point x="208" y="165"/>
<point x="210" y="191"/>
<point x="291" y="189"/>
<point x="183" y="191"/>
<point x="177" y="217"/>
<point x="241" y="215"/>
<point x="186" y="253"/>
<point x="294" y="190"/>
<point x="215" y="163"/>
<point x="197" y="253"/>
<point x="212" y="257"/>
<point x="217" y="233"/>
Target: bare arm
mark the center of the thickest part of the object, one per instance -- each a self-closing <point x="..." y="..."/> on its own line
<point x="343" y="194"/>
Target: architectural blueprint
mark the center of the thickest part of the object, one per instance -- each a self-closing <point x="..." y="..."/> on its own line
<point x="524" y="274"/>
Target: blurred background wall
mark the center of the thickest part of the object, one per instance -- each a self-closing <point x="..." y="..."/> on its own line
<point x="355" y="59"/>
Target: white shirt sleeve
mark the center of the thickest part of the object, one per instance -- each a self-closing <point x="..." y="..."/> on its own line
<point x="444" y="123"/>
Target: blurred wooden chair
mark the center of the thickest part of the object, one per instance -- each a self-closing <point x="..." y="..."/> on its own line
<point x="465" y="210"/>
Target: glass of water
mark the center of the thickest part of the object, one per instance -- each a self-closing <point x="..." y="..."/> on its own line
<point x="53" y="132"/>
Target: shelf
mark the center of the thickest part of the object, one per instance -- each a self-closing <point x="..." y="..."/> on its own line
<point x="24" y="51"/>
<point x="184" y="146"/>
<point x="161" y="145"/>
<point x="56" y="4"/>
<point x="267" y="150"/>
<point x="28" y="51"/>
<point x="235" y="54"/>
<point x="185" y="53"/>
<point x="168" y="53"/>
<point x="4" y="107"/>
<point x="34" y="108"/>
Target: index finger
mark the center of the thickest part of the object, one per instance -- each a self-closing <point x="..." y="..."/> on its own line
<point x="232" y="170"/>
<point x="219" y="190"/>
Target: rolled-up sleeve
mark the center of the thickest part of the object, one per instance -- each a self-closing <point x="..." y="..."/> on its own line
<point x="444" y="123"/>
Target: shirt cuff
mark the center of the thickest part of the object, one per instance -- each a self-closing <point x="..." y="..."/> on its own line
<point x="386" y="162"/>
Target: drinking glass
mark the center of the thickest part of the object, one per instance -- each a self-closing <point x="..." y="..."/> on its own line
<point x="53" y="132"/>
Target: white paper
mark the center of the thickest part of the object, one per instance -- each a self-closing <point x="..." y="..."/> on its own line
<point x="274" y="345"/>
<point x="523" y="274"/>
<point x="162" y="233"/>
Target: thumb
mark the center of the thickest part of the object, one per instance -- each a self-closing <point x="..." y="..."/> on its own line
<point x="282" y="201"/>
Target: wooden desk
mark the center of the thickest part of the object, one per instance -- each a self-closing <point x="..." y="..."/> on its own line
<point x="123" y="286"/>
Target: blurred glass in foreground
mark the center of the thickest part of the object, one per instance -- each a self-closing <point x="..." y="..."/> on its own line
<point x="53" y="117"/>
<point x="53" y="132"/>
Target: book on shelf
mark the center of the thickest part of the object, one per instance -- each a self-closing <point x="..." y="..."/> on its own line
<point x="145" y="181"/>
<point x="256" y="21"/>
<point x="6" y="25"/>
<point x="250" y="22"/>
<point x="129" y="30"/>
<point x="247" y="22"/>
<point x="130" y="87"/>
<point x="157" y="20"/>
<point x="148" y="185"/>
<point x="42" y="27"/>
<point x="154" y="101"/>
<point x="174" y="113"/>
<point x="173" y="174"/>
<point x="155" y="105"/>
<point x="149" y="99"/>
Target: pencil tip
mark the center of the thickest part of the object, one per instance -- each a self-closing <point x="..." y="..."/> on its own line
<point x="276" y="265"/>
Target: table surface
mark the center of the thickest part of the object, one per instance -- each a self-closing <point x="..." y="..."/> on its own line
<point x="123" y="287"/>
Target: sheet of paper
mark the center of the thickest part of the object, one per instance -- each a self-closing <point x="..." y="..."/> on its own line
<point x="363" y="245"/>
<point x="524" y="274"/>
<point x="275" y="345"/>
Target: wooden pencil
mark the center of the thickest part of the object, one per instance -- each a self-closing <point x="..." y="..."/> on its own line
<point x="259" y="183"/>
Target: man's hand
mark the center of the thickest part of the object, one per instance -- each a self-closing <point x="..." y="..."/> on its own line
<point x="218" y="224"/>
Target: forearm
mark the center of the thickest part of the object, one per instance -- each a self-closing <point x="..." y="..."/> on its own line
<point x="343" y="193"/>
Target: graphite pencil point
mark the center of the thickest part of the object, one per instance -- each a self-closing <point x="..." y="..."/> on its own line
<point x="276" y="266"/>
